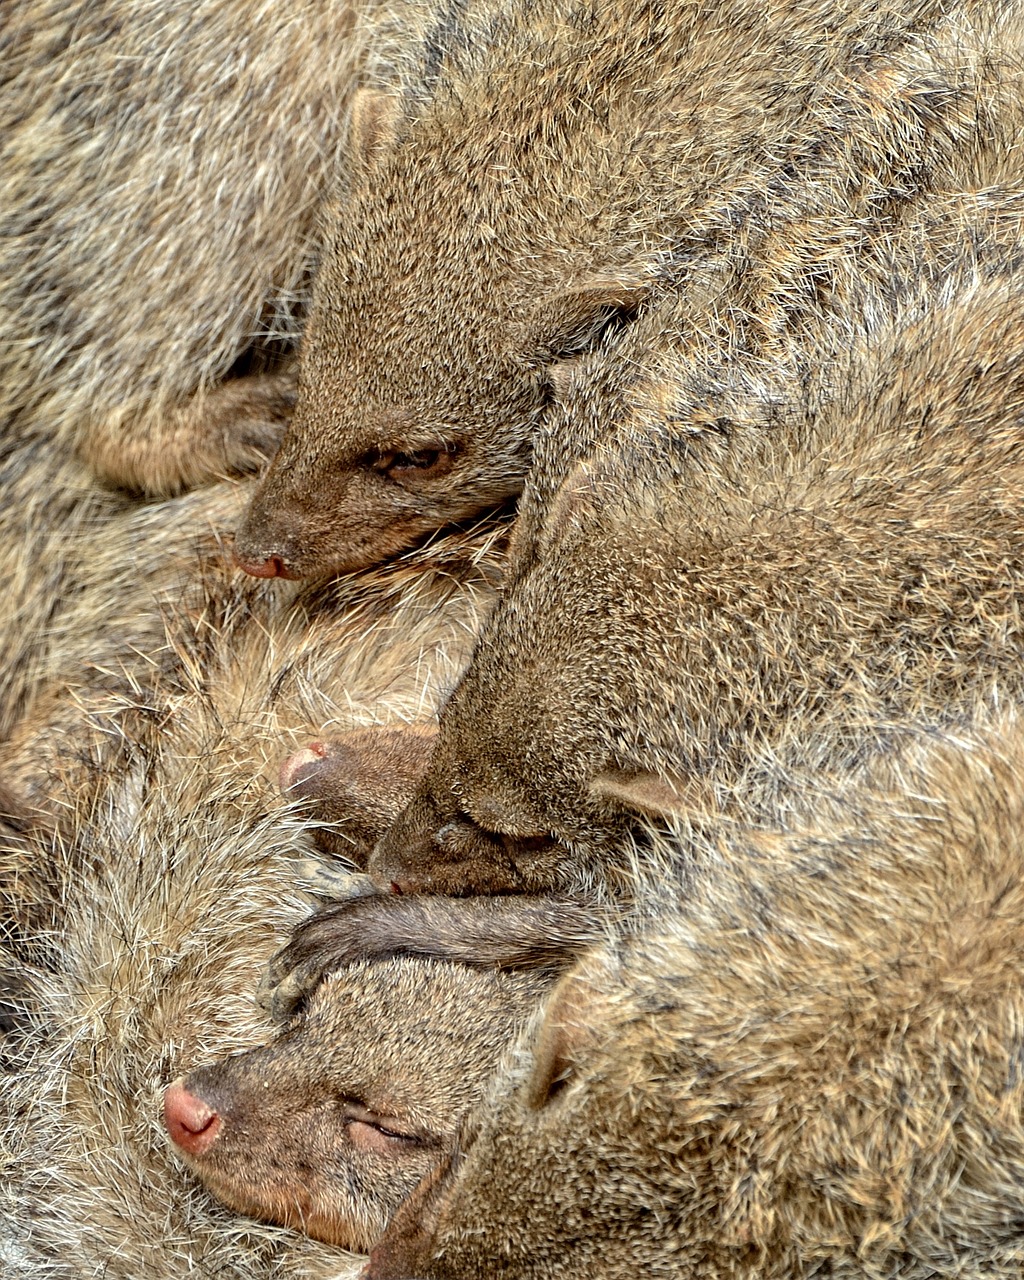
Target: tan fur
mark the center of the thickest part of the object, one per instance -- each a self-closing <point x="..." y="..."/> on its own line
<point x="546" y="173"/>
<point x="752" y="579"/>
<point x="160" y="859"/>
<point x="811" y="1068"/>
<point x="163" y="168"/>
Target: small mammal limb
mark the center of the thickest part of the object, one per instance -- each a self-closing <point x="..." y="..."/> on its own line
<point x="522" y="933"/>
<point x="231" y="430"/>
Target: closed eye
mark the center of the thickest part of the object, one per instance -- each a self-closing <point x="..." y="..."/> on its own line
<point x="372" y="1131"/>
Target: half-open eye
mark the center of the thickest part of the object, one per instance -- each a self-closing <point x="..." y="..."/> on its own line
<point x="526" y="844"/>
<point x="434" y="461"/>
<point x="412" y="464"/>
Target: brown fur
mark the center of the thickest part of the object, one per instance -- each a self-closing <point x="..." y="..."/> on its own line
<point x="811" y="1068"/>
<point x="163" y="168"/>
<point x="749" y="582"/>
<point x="330" y="1126"/>
<point x="359" y="783"/>
<point x="549" y="172"/>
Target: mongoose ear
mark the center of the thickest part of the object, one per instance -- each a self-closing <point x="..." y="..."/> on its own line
<point x="571" y="320"/>
<point x="372" y="118"/>
<point x="653" y="794"/>
<point x="572" y="508"/>
<point x="567" y="1032"/>
<point x="562" y="375"/>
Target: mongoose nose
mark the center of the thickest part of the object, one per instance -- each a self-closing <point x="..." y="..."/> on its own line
<point x="271" y="567"/>
<point x="192" y="1124"/>
<point x="300" y="765"/>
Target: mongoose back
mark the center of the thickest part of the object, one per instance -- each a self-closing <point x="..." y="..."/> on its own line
<point x="810" y="1068"/>
<point x="547" y="171"/>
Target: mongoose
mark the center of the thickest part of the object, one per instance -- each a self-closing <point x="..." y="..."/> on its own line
<point x="747" y="584"/>
<point x="163" y="171"/>
<point x="333" y="1123"/>
<point x="811" y="1067"/>
<point x="359" y="783"/>
<point x="173" y="868"/>
<point x="543" y="174"/>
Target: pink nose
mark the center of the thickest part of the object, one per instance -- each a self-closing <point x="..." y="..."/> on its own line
<point x="301" y="764"/>
<point x="192" y="1124"/>
<point x="272" y="567"/>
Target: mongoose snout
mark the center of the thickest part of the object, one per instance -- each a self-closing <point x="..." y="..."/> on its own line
<point x="192" y="1123"/>
<point x="358" y="783"/>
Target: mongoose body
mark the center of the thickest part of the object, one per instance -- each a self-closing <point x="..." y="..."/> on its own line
<point x="808" y="1068"/>
<point x="163" y="170"/>
<point x="751" y="582"/>
<point x="542" y="174"/>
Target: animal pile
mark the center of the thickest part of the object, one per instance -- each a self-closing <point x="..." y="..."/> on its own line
<point x="512" y="690"/>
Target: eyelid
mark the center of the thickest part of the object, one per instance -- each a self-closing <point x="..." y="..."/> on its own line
<point x="356" y="1112"/>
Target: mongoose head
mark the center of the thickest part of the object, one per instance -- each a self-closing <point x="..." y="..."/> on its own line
<point x="328" y="1127"/>
<point x="445" y="295"/>
<point x="708" y="611"/>
<point x="534" y="776"/>
<point x="357" y="783"/>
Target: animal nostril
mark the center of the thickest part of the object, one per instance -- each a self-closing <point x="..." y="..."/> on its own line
<point x="272" y="567"/>
<point x="192" y="1123"/>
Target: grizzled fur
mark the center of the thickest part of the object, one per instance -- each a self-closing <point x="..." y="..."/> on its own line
<point x="163" y="168"/>
<point x="549" y="169"/>
<point x="810" y="1067"/>
<point x="747" y="581"/>
<point x="151" y="874"/>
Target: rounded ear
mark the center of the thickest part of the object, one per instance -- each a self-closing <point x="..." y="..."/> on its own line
<point x="573" y="506"/>
<point x="657" y="795"/>
<point x="372" y="119"/>
<point x="573" y="319"/>
<point x="570" y="1028"/>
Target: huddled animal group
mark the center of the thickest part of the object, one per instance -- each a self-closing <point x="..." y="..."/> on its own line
<point x="512" y="661"/>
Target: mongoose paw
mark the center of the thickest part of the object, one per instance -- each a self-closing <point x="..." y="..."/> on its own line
<point x="334" y="882"/>
<point x="252" y="414"/>
<point x="282" y="992"/>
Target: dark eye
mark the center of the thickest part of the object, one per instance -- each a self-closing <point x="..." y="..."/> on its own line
<point x="525" y="844"/>
<point x="421" y="460"/>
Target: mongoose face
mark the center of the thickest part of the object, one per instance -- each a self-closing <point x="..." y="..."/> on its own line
<point x="331" y="1125"/>
<point x="787" y="1077"/>
<point x="424" y="369"/>
<point x="358" y="783"/>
